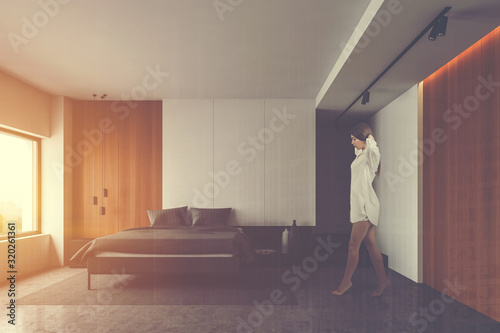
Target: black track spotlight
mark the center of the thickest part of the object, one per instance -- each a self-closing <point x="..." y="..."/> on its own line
<point x="441" y="25"/>
<point x="366" y="98"/>
<point x="433" y="34"/>
<point x="439" y="28"/>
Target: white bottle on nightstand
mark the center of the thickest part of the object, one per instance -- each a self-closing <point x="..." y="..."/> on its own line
<point x="284" y="241"/>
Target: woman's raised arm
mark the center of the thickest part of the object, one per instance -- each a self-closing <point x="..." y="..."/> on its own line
<point x="372" y="153"/>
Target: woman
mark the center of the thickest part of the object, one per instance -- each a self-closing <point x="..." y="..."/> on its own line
<point x="364" y="207"/>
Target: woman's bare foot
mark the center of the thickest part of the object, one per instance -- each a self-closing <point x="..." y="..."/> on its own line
<point x="342" y="289"/>
<point x="381" y="288"/>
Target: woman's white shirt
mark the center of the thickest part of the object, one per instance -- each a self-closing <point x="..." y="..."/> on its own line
<point x="364" y="201"/>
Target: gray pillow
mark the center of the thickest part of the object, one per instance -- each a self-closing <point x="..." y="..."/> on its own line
<point x="171" y="217"/>
<point x="210" y="217"/>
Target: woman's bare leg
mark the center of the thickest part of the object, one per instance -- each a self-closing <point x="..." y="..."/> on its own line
<point x="378" y="262"/>
<point x="358" y="233"/>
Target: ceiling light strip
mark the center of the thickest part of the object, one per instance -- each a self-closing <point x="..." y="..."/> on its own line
<point x="364" y="22"/>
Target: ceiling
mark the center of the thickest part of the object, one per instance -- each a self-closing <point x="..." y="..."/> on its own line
<point x="159" y="49"/>
<point x="468" y="21"/>
<point x="256" y="49"/>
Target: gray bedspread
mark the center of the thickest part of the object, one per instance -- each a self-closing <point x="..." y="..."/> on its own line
<point x="178" y="240"/>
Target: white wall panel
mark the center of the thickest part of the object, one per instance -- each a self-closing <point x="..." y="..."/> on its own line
<point x="239" y="159"/>
<point x="255" y="156"/>
<point x="54" y="179"/>
<point x="187" y="153"/>
<point x="290" y="160"/>
<point x="396" y="131"/>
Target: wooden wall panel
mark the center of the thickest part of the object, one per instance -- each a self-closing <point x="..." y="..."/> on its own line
<point x="489" y="229"/>
<point x="128" y="170"/>
<point x="84" y="156"/>
<point x="467" y="156"/>
<point x="462" y="177"/>
<point x="108" y="223"/>
<point x="155" y="170"/>
<point x="140" y="164"/>
<point x="435" y="164"/>
<point x="125" y="144"/>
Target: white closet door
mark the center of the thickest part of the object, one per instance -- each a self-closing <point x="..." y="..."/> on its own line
<point x="187" y="153"/>
<point x="239" y="159"/>
<point x="290" y="162"/>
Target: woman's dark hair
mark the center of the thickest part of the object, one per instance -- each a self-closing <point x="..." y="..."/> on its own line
<point x="362" y="131"/>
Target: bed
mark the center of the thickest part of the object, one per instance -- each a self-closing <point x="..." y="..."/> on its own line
<point x="168" y="249"/>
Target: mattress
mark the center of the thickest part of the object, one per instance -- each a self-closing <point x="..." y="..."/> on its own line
<point x="180" y="241"/>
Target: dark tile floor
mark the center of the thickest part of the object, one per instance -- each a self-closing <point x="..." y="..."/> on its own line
<point x="404" y="307"/>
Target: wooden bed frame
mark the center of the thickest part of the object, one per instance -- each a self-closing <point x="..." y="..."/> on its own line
<point x="131" y="263"/>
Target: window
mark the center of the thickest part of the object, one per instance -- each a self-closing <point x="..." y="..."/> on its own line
<point x="19" y="183"/>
